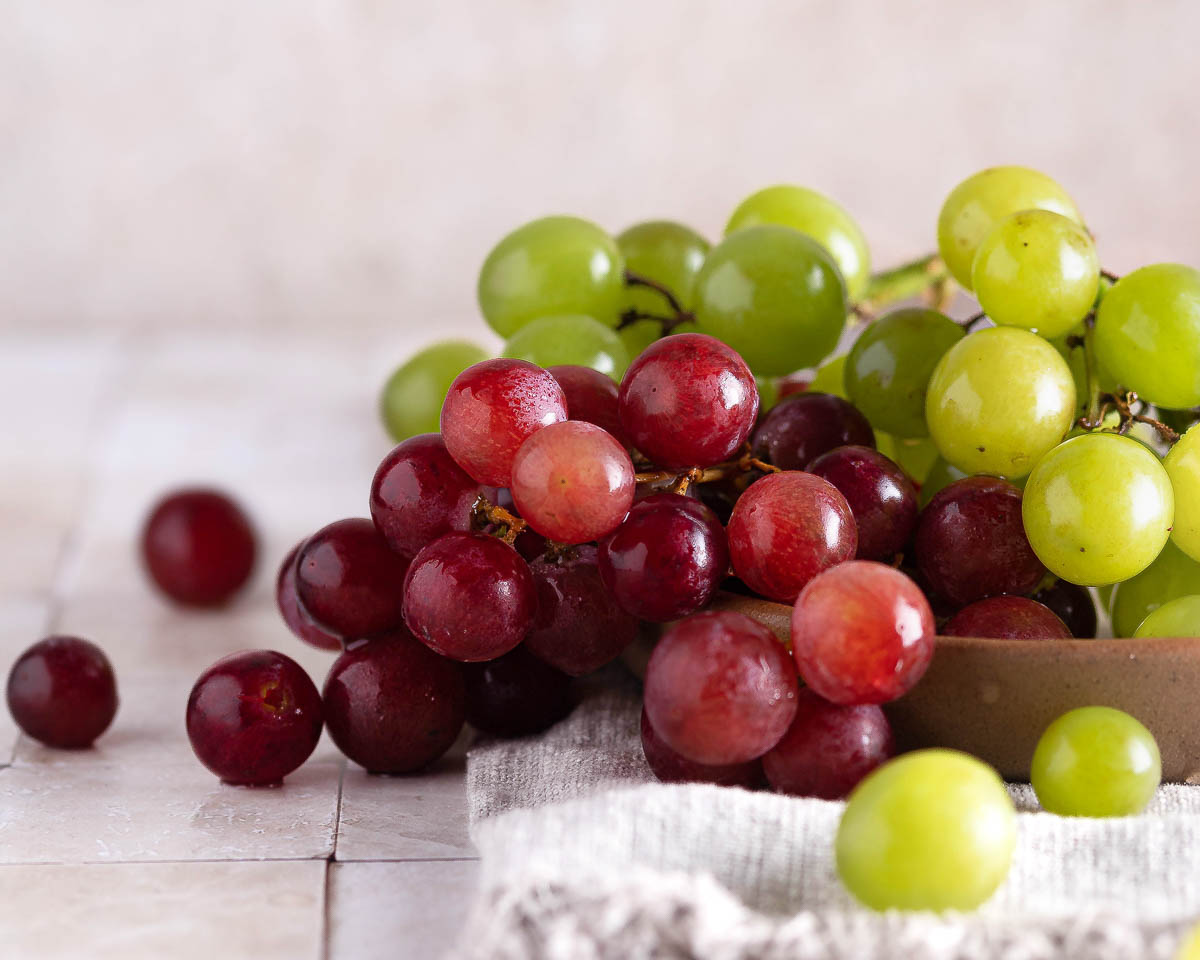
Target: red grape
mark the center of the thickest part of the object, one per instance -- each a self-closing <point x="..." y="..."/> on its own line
<point x="720" y="688"/>
<point x="392" y="705"/>
<point x="198" y="547"/>
<point x="881" y="497"/>
<point x="862" y="633"/>
<point x="419" y="492"/>
<point x="579" y="627"/>
<point x="673" y="767"/>
<point x="350" y="581"/>
<point x="494" y="407"/>
<point x="253" y="717"/>
<point x="828" y="748"/>
<point x="971" y="542"/>
<point x="667" y="559"/>
<point x="516" y="694"/>
<point x="299" y="620"/>
<point x="591" y="396"/>
<point x="469" y="597"/>
<point x="806" y="425"/>
<point x="62" y="692"/>
<point x="1007" y="618"/>
<point x="785" y="529"/>
<point x="572" y="482"/>
<point x="688" y="401"/>
<point x="1073" y="605"/>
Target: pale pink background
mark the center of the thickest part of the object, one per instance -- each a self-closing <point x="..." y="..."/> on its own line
<point x="345" y="165"/>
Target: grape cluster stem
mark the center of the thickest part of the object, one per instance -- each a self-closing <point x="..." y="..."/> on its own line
<point x="680" y="482"/>
<point x="669" y="322"/>
<point x="1123" y="403"/>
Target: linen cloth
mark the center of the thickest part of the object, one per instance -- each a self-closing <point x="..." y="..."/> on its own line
<point x="585" y="855"/>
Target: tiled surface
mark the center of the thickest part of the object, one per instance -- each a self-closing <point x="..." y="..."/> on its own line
<point x="132" y="849"/>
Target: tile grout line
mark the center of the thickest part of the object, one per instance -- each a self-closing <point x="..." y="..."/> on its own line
<point x="327" y="899"/>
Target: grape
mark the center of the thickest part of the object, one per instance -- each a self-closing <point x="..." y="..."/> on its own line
<point x="1098" y="509"/>
<point x="976" y="205"/>
<point x="1183" y="467"/>
<point x="688" y="401"/>
<point x="667" y="559"/>
<point x="828" y="749"/>
<point x="830" y="378"/>
<point x="998" y="400"/>
<point x="814" y="214"/>
<point x="971" y="542"/>
<point x="882" y="499"/>
<point x="785" y="529"/>
<point x="299" y="620"/>
<point x="768" y="393"/>
<point x="1148" y="334"/>
<point x="569" y="339"/>
<point x="940" y="476"/>
<point x="668" y="253"/>
<point x="775" y="296"/>
<point x="720" y="688"/>
<point x="551" y="266"/>
<point x="671" y="766"/>
<point x="931" y="830"/>
<point x="350" y="581"/>
<point x="469" y="597"/>
<point x="1175" y="618"/>
<point x="1174" y="574"/>
<point x="572" y="482"/>
<point x="1007" y="618"/>
<point x="491" y="409"/>
<point x="1190" y="948"/>
<point x="516" y="695"/>
<point x="579" y="627"/>
<point x="419" y="492"/>
<point x="889" y="366"/>
<point x="1073" y="605"/>
<point x="862" y="633"/>
<point x="1095" y="762"/>
<point x="916" y="456"/>
<point x="592" y="397"/>
<point x="807" y="425"/>
<point x="413" y="395"/>
<point x="1038" y="270"/>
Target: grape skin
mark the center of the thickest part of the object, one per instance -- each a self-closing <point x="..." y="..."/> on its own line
<point x="412" y="397"/>
<point x="1174" y="574"/>
<point x="1007" y="618"/>
<point x="670" y="766"/>
<point x="572" y="339"/>
<point x="998" y="400"/>
<point x="930" y="830"/>
<point x="1175" y="618"/>
<point x="668" y="253"/>
<point x="1098" y="509"/>
<point x="1182" y="464"/>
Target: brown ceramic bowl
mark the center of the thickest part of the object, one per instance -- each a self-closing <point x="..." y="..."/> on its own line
<point x="993" y="698"/>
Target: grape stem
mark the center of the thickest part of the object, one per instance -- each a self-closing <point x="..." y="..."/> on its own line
<point x="925" y="275"/>
<point x="485" y="513"/>
<point x="669" y="323"/>
<point x="1123" y="403"/>
<point x="1109" y="276"/>
<point x="679" y="482"/>
<point x="973" y="320"/>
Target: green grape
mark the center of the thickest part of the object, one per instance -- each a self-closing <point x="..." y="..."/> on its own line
<point x="1174" y="574"/>
<point x="940" y="476"/>
<point x="1039" y="270"/>
<point x="1148" y="334"/>
<point x="998" y="400"/>
<point x="917" y="457"/>
<point x="666" y="252"/>
<point x="889" y="366"/>
<point x="552" y="266"/>
<point x="1190" y="948"/>
<point x="411" y="402"/>
<point x="930" y="830"/>
<point x="768" y="393"/>
<point x="1095" y="762"/>
<point x="816" y="215"/>
<point x="569" y="339"/>
<point x="831" y="378"/>
<point x="1098" y="509"/>
<point x="1175" y="618"/>
<point x="1183" y="467"/>
<point x="1076" y="357"/>
<point x="639" y="335"/>
<point x="775" y="296"/>
<point x="976" y="205"/>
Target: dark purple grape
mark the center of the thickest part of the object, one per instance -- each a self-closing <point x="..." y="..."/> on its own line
<point x="667" y="559"/>
<point x="673" y="767"/>
<point x="805" y="425"/>
<point x="971" y="542"/>
<point x="1007" y="618"/>
<point x="591" y="396"/>
<point x="881" y="497"/>
<point x="299" y="620"/>
<point x="62" y="692"/>
<point x="1073" y="605"/>
<point x="828" y="749"/>
<point x="579" y="627"/>
<point x="516" y="695"/>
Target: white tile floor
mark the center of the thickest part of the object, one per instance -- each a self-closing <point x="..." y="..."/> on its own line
<point x="133" y="849"/>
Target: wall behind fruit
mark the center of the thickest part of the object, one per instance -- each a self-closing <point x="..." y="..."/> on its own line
<point x="311" y="164"/>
